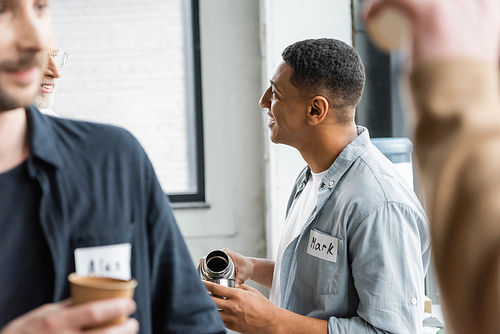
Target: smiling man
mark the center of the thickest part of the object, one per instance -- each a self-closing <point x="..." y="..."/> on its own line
<point x="355" y="246"/>
<point x="45" y="97"/>
<point x="69" y="187"/>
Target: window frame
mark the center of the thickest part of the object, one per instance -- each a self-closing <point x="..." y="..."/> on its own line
<point x="199" y="195"/>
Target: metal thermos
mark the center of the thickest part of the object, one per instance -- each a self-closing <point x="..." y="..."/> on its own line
<point x="218" y="267"/>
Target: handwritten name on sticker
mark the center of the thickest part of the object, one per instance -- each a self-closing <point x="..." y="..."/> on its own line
<point x="104" y="261"/>
<point x="323" y="246"/>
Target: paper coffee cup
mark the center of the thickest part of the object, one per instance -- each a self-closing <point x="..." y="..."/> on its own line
<point x="91" y="288"/>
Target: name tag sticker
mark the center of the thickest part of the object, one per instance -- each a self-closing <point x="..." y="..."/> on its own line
<point x="104" y="261"/>
<point x="323" y="246"/>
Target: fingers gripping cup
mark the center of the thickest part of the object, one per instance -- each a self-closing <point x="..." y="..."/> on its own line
<point x="86" y="289"/>
<point x="218" y="267"/>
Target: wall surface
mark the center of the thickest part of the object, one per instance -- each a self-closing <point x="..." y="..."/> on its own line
<point x="231" y="84"/>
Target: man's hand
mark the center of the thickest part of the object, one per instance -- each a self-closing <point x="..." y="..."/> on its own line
<point x="258" y="270"/>
<point x="447" y="29"/>
<point x="244" y="309"/>
<point x="243" y="267"/>
<point x="64" y="318"/>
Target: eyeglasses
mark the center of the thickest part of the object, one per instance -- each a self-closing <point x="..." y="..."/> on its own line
<point x="60" y="57"/>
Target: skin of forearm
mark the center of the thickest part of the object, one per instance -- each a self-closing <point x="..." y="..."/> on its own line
<point x="287" y="322"/>
<point x="263" y="270"/>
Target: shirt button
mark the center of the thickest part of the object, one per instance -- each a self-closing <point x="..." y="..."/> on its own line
<point x="331" y="183"/>
<point x="414" y="301"/>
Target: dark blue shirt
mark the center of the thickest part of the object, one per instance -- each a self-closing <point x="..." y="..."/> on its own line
<point x="99" y="188"/>
<point x="26" y="269"/>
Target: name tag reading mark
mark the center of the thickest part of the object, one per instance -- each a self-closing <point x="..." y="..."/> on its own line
<point x="323" y="246"/>
<point x="104" y="261"/>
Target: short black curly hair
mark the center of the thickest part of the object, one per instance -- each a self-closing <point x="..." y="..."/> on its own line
<point x="328" y="67"/>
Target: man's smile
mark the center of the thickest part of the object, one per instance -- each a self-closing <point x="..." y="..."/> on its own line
<point x="47" y="88"/>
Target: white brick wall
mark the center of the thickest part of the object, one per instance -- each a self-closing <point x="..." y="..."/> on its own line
<point x="127" y="67"/>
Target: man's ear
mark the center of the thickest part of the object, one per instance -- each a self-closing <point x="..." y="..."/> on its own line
<point x="318" y="109"/>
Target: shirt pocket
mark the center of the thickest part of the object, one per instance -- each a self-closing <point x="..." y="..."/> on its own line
<point x="322" y="276"/>
<point x="104" y="236"/>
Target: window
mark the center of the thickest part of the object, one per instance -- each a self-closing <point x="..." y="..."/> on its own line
<point x="136" y="64"/>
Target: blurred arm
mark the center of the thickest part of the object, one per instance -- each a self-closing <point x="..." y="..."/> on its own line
<point x="457" y="141"/>
<point x="455" y="56"/>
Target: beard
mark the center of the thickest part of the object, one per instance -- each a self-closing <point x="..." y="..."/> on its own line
<point x="43" y="100"/>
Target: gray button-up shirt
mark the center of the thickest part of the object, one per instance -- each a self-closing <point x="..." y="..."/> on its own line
<point x="376" y="284"/>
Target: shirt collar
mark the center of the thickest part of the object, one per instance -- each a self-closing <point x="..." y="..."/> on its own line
<point x="347" y="157"/>
<point x="42" y="138"/>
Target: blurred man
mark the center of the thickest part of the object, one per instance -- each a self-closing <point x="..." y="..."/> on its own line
<point x="45" y="97"/>
<point x="68" y="186"/>
<point x="355" y="247"/>
<point x="454" y="77"/>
